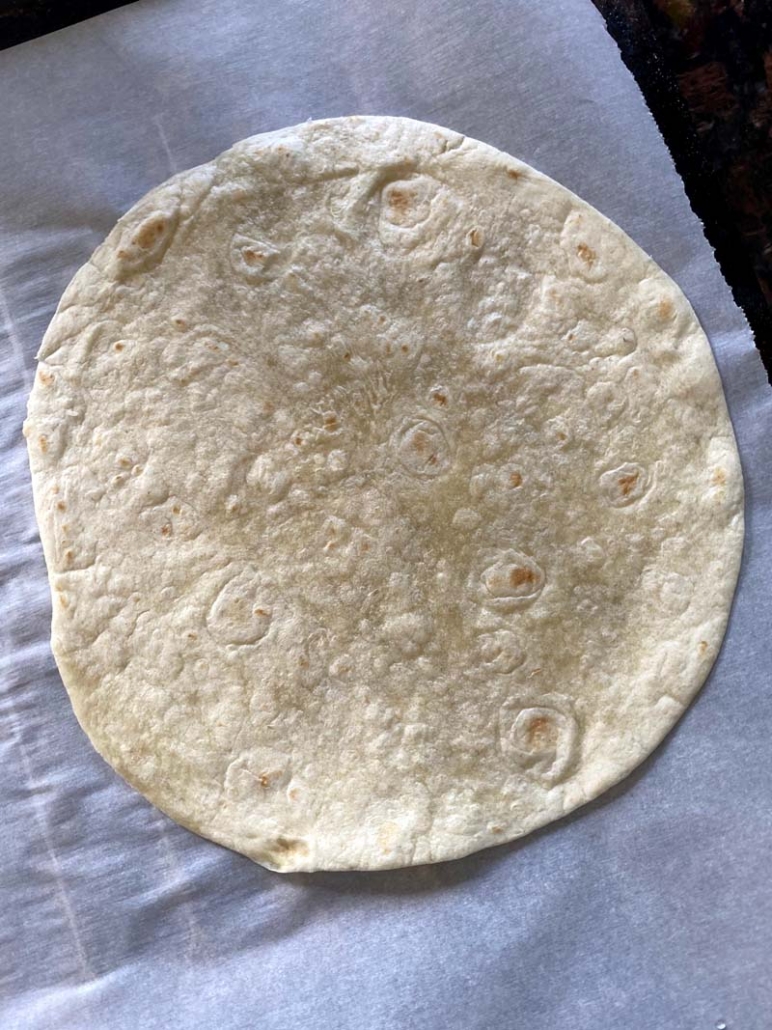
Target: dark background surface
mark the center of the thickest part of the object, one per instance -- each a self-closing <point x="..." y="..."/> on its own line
<point x="705" y="69"/>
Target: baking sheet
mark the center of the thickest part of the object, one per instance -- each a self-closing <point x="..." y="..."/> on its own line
<point x="649" y="908"/>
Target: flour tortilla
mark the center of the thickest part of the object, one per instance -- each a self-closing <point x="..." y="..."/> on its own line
<point x="389" y="497"/>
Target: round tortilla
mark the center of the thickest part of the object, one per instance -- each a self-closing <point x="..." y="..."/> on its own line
<point x="388" y="494"/>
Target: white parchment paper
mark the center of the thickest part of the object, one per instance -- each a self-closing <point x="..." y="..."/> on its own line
<point x="651" y="908"/>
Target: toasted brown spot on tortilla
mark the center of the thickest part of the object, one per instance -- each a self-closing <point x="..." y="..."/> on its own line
<point x="439" y="398"/>
<point x="288" y="845"/>
<point x="515" y="479"/>
<point x="665" y="308"/>
<point x="513" y="173"/>
<point x="587" y="254"/>
<point x="399" y="199"/>
<point x="541" y="732"/>
<point x="147" y="234"/>
<point x="627" y="483"/>
<point x="719" y="477"/>
<point x="251" y="256"/>
<point x="43" y="443"/>
<point x="519" y="575"/>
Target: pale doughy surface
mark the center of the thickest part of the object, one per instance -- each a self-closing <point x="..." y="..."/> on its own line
<point x="388" y="494"/>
